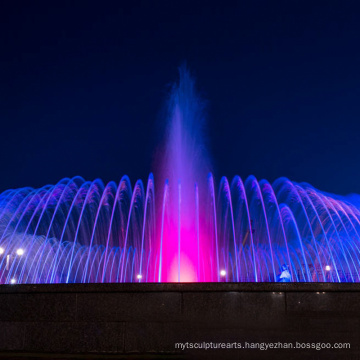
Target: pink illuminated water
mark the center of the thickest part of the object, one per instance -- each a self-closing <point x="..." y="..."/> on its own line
<point x="184" y="165"/>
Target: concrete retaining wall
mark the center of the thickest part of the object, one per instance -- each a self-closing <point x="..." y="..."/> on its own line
<point x="143" y="319"/>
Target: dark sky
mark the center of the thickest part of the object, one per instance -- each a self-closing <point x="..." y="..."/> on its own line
<point x="82" y="84"/>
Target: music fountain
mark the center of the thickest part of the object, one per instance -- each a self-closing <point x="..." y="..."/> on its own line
<point x="182" y="226"/>
<point x="229" y="238"/>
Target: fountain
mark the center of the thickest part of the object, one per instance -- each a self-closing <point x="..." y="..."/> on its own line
<point x="190" y="229"/>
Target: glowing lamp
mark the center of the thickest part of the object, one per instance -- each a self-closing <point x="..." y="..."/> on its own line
<point x="139" y="276"/>
<point x="223" y="273"/>
<point x="327" y="268"/>
<point x="2" y="250"/>
<point x="13" y="281"/>
<point x="20" y="252"/>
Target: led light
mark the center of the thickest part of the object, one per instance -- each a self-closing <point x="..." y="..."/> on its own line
<point x="2" y="250"/>
<point x="20" y="252"/>
<point x="13" y="281"/>
<point x="139" y="276"/>
<point x="222" y="273"/>
<point x="327" y="268"/>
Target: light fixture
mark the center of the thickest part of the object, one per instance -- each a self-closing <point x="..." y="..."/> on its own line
<point x="2" y="250"/>
<point x="20" y="252"/>
<point x="327" y="268"/>
<point x="139" y="276"/>
<point x="13" y="281"/>
<point x="222" y="273"/>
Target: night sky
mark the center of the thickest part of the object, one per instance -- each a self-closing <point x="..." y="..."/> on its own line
<point x="82" y="85"/>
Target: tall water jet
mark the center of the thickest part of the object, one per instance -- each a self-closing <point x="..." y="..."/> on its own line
<point x="184" y="167"/>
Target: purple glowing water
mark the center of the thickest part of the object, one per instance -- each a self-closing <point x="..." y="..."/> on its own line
<point x="80" y="231"/>
<point x="184" y="166"/>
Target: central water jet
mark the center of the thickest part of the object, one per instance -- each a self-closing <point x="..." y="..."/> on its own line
<point x="184" y="166"/>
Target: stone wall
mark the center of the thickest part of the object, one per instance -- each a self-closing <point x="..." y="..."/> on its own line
<point x="143" y="319"/>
